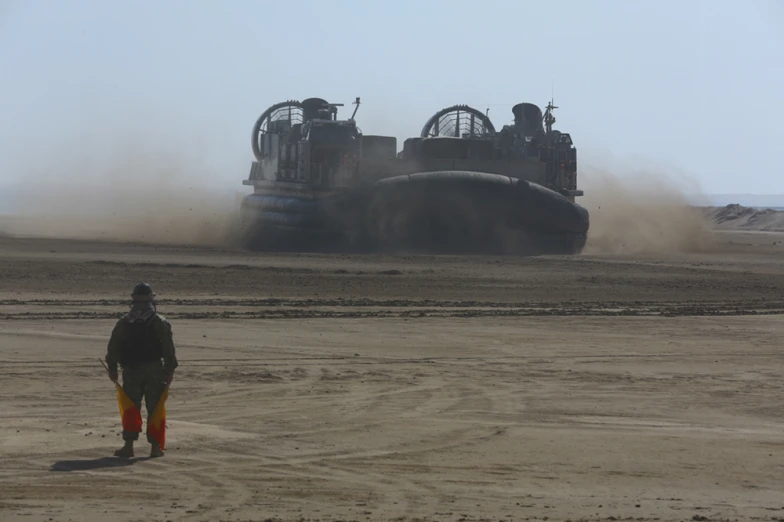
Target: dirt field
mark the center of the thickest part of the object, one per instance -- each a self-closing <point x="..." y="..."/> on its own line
<point x="597" y="387"/>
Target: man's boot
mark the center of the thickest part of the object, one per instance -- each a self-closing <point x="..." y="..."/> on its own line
<point x="126" y="451"/>
<point x="156" y="451"/>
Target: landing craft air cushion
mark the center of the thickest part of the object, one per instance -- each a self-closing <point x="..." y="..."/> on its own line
<point x="462" y="186"/>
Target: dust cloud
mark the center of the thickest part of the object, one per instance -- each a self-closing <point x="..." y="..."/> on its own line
<point x="125" y="190"/>
<point x="642" y="211"/>
<point x="135" y="188"/>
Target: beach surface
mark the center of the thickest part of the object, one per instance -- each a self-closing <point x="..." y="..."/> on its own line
<point x="606" y="386"/>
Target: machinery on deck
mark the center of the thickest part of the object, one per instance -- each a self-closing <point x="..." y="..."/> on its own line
<point x="319" y="184"/>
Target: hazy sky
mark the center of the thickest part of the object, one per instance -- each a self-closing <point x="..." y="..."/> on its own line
<point x="695" y="86"/>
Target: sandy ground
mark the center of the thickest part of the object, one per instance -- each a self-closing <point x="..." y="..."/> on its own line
<point x="596" y="387"/>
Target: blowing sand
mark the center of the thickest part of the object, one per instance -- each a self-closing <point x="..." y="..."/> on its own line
<point x="597" y="387"/>
<point x="126" y="189"/>
<point x="642" y="211"/>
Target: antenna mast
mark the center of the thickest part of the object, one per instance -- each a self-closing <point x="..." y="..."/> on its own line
<point x="549" y="119"/>
<point x="356" y="102"/>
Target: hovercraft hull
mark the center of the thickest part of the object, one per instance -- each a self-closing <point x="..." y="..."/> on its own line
<point x="430" y="212"/>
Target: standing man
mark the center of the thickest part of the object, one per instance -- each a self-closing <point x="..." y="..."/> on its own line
<point x="141" y="343"/>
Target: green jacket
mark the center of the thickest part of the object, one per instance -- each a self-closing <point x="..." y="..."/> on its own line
<point x="164" y="333"/>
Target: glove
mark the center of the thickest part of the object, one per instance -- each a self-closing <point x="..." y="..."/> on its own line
<point x="167" y="378"/>
<point x="113" y="376"/>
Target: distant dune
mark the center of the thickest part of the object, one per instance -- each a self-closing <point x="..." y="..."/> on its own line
<point x="738" y="217"/>
<point x="747" y="200"/>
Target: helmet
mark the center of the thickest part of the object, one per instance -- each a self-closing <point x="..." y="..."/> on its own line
<point x="142" y="292"/>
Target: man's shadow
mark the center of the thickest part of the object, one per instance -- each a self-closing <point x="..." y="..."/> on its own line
<point x="92" y="464"/>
